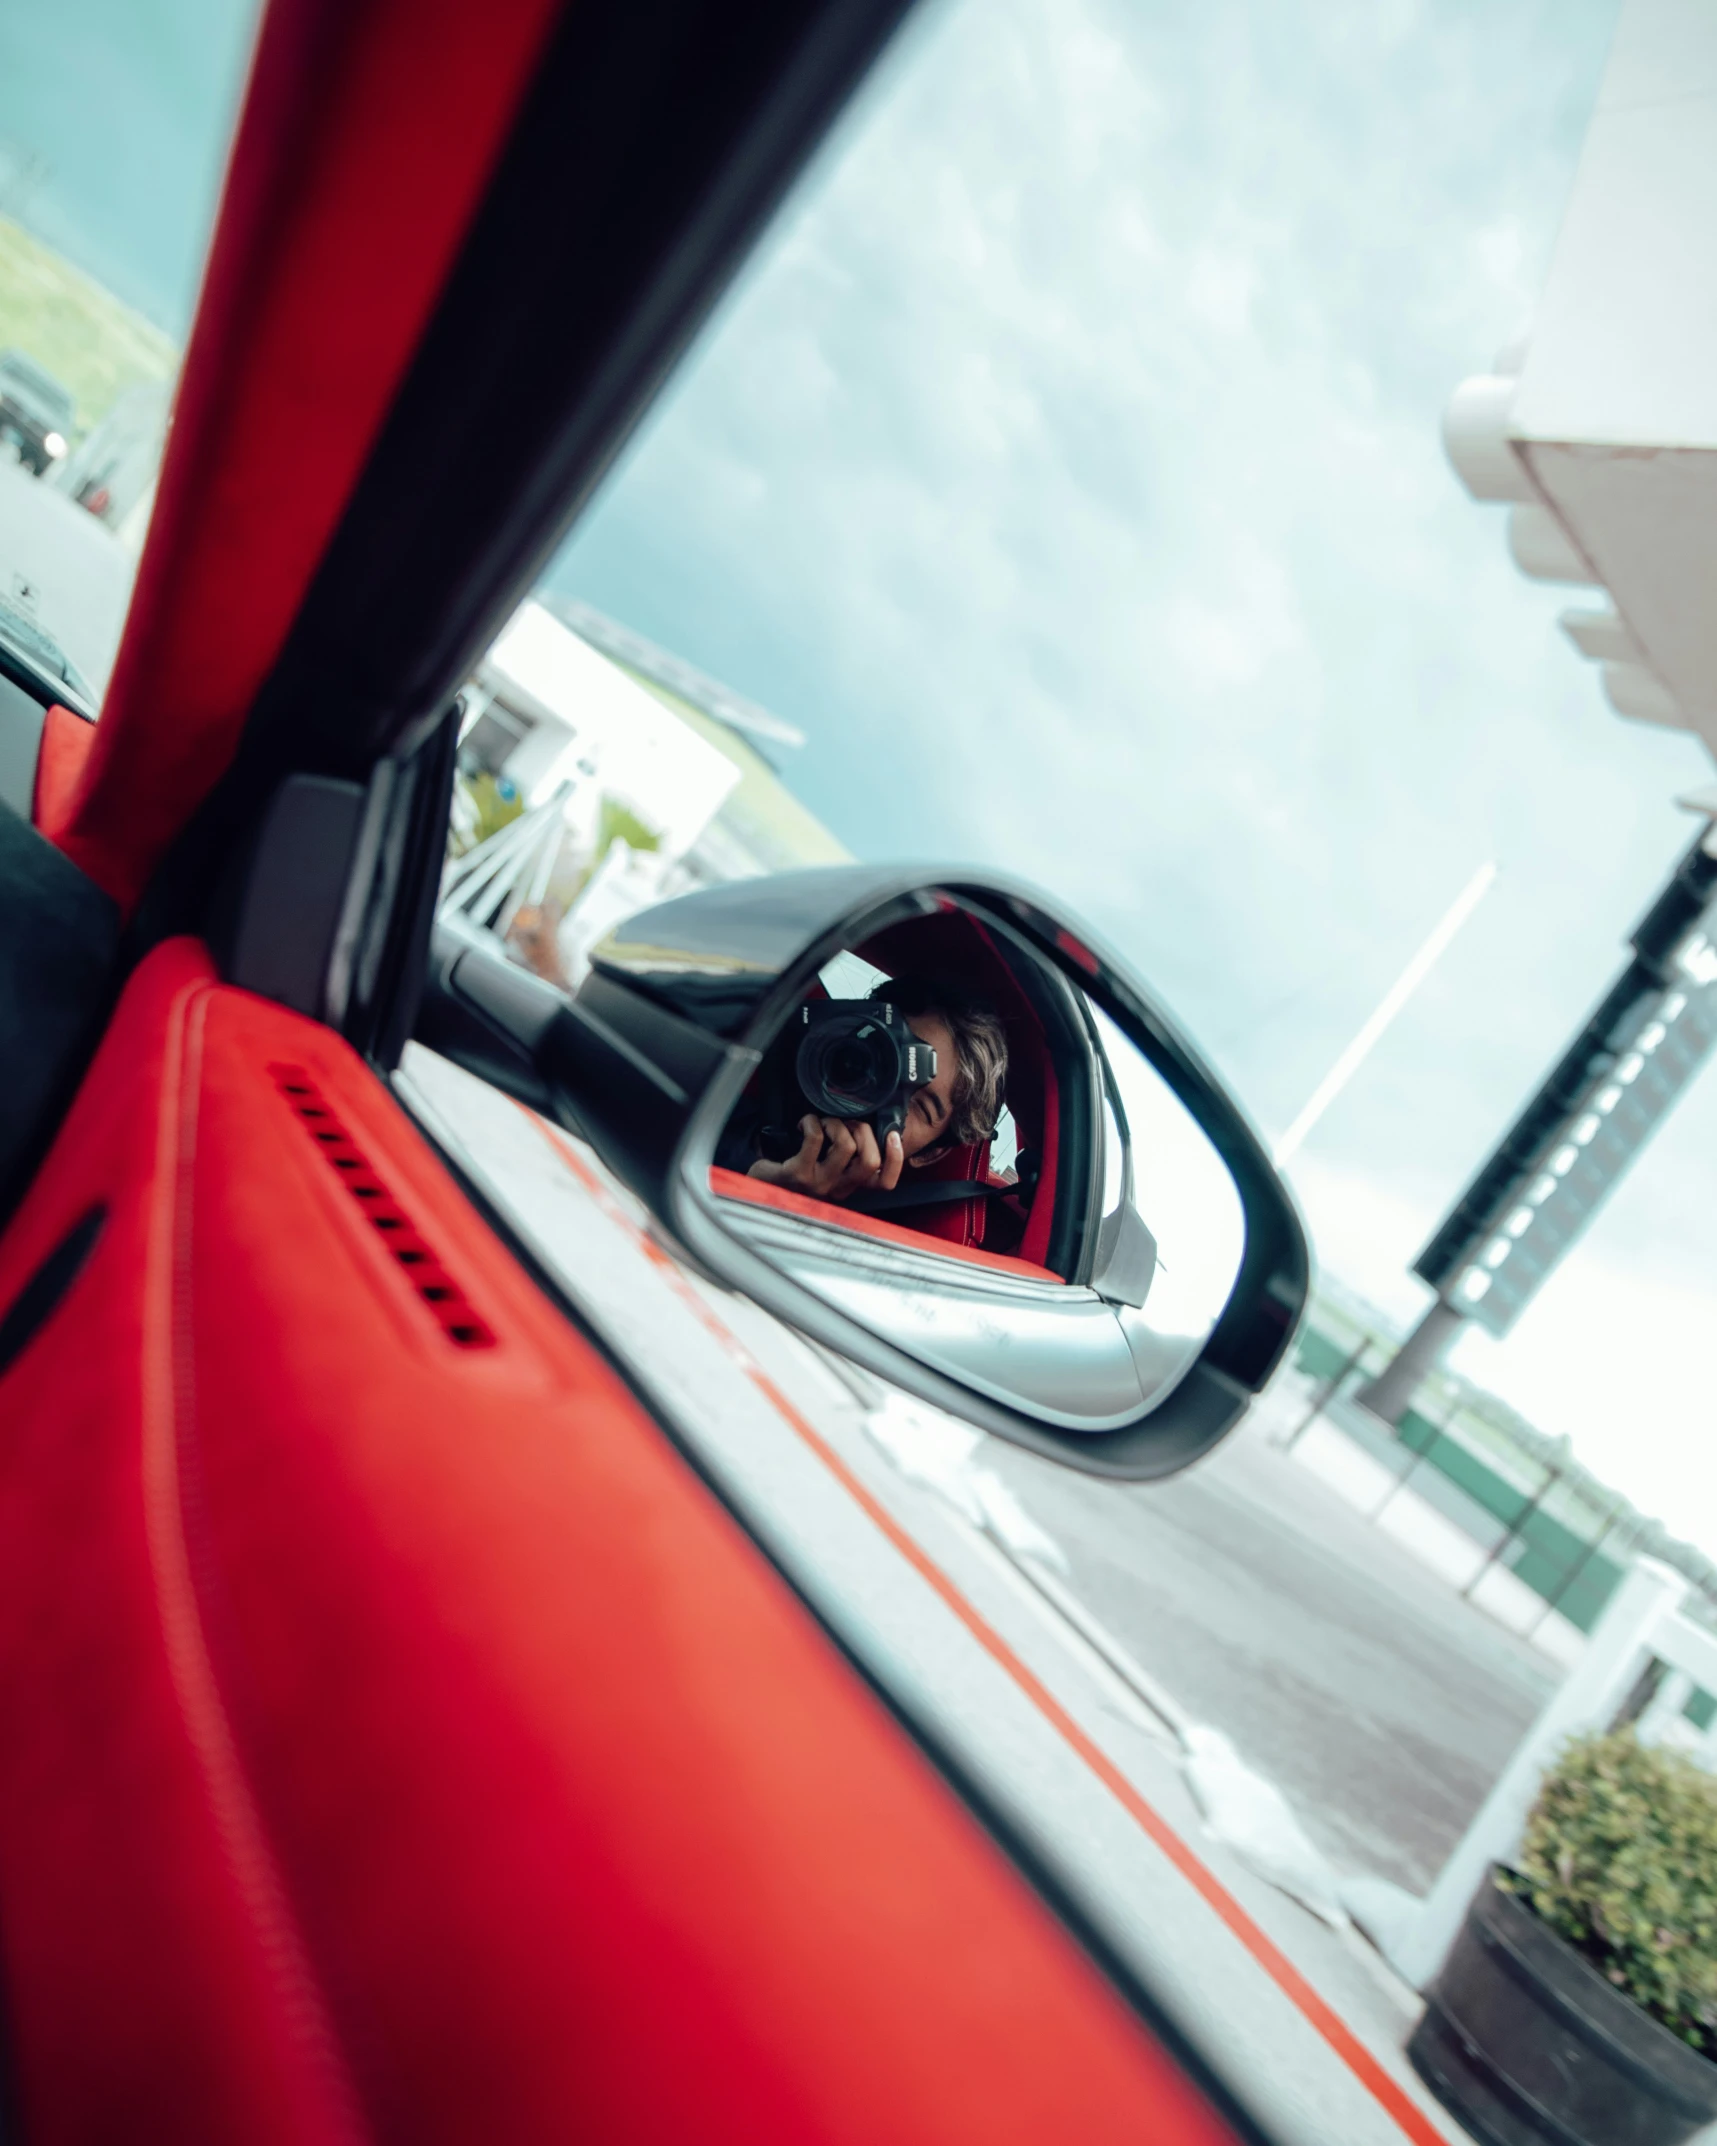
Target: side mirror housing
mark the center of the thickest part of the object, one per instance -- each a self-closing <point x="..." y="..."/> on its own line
<point x="1107" y="1277"/>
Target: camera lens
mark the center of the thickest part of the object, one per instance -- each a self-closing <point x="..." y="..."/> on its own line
<point x="846" y="1066"/>
<point x="850" y="1064"/>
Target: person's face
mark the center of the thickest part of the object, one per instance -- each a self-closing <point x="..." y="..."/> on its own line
<point x="931" y="1106"/>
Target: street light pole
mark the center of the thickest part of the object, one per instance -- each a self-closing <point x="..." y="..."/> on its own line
<point x="1391" y="1003"/>
<point x="1388" y="1394"/>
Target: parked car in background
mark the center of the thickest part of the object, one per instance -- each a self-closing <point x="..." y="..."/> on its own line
<point x="36" y="413"/>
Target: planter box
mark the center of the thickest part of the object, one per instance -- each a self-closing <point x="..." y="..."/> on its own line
<point x="1526" y="2043"/>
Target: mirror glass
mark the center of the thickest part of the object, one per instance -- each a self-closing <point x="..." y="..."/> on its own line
<point x="950" y="1142"/>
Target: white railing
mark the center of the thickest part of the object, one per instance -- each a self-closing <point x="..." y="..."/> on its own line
<point x="1641" y="1624"/>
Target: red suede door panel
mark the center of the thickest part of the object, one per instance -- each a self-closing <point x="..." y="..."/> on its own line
<point x="400" y="1740"/>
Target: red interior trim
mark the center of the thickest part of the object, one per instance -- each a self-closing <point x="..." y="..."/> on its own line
<point x="1041" y="1215"/>
<point x="1078" y="951"/>
<point x="403" y="1742"/>
<point x="368" y="134"/>
<point x="66" y="742"/>
<point x="730" y="1185"/>
<point x="435" y="1285"/>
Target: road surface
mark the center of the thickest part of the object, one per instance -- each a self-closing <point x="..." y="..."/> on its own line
<point x="1380" y="1703"/>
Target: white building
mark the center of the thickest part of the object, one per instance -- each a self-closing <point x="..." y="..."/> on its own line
<point x="1599" y="430"/>
<point x="581" y="716"/>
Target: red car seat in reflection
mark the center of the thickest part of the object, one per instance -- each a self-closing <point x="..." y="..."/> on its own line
<point x="961" y="1221"/>
<point x="753" y="1192"/>
<point x="956" y="946"/>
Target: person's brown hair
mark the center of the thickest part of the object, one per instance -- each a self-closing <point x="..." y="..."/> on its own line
<point x="980" y="1042"/>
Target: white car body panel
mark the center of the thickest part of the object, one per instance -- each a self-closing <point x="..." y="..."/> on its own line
<point x="65" y="570"/>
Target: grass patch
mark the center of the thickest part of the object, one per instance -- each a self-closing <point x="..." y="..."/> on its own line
<point x="93" y="345"/>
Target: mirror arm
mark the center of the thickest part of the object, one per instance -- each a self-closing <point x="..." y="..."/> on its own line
<point x="486" y="1014"/>
<point x="630" y="1073"/>
<point x="628" y="1109"/>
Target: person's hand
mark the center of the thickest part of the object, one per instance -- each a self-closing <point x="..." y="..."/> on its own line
<point x="836" y="1158"/>
<point x="534" y="934"/>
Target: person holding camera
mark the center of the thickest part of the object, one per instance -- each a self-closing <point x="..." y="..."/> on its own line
<point x="950" y="1097"/>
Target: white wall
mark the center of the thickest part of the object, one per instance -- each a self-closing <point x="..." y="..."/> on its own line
<point x="658" y="766"/>
<point x="1623" y="348"/>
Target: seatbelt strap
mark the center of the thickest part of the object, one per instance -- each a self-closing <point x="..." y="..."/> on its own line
<point x="943" y="1192"/>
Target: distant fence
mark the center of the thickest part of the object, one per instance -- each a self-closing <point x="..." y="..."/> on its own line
<point x="1562" y="1562"/>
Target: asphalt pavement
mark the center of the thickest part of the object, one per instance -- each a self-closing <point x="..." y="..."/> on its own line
<point x="1378" y="1701"/>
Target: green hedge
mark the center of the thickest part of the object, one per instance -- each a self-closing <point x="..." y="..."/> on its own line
<point x="1620" y="1858"/>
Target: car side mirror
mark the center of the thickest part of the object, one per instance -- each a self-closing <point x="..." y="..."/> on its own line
<point x="1106" y="1268"/>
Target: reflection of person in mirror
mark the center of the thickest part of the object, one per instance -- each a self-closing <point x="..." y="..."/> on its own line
<point x="840" y="1158"/>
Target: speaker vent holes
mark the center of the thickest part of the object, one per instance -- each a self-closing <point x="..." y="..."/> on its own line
<point x="435" y="1288"/>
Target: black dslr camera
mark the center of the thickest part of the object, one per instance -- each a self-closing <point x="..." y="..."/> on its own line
<point x="854" y="1059"/>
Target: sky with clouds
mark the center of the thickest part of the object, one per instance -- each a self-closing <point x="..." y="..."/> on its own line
<point x="1067" y="466"/>
<point x="114" y="118"/>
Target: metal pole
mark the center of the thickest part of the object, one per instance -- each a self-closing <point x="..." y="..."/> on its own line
<point x="1512" y="1532"/>
<point x="1390" y="1392"/>
<point x="1331" y="1388"/>
<point x="1391" y="1003"/>
<point x="1419" y="1453"/>
<point x="1575" y="1569"/>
